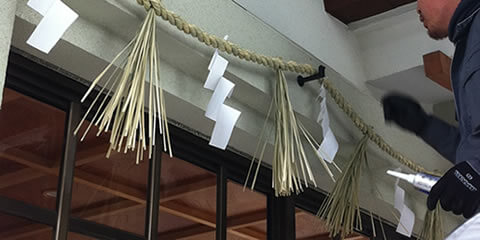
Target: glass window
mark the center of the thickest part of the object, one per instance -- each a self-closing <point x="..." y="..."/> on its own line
<point x="31" y="147"/>
<point x="246" y="213"/>
<point x="187" y="201"/>
<point x="76" y="236"/>
<point x="110" y="191"/>
<point x="309" y="226"/>
<point x="13" y="228"/>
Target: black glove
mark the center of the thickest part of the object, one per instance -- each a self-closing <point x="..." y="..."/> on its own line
<point x="458" y="191"/>
<point x="405" y="112"/>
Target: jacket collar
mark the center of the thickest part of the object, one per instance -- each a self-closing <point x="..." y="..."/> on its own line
<point x="462" y="19"/>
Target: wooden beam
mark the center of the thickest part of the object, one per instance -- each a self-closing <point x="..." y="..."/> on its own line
<point x="28" y="159"/>
<point x="252" y="218"/>
<point x="249" y="233"/>
<point x="322" y="236"/>
<point x="234" y="223"/>
<point x="437" y="68"/>
<point x="32" y="172"/>
<point x="25" y="231"/>
<point x="186" y="188"/>
<point x="184" y="211"/>
<point x="189" y="231"/>
<point x="237" y="222"/>
<point x="349" y="11"/>
<point x="358" y="237"/>
<point x="108" y="208"/>
<point x="90" y="155"/>
<point x="91" y="213"/>
<point x="127" y="192"/>
<point x="114" y="188"/>
<point x="247" y="219"/>
<point x="205" y="218"/>
<point x="18" y="177"/>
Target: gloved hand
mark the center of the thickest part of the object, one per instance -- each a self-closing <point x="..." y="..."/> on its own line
<point x="405" y="112"/>
<point x="458" y="191"/>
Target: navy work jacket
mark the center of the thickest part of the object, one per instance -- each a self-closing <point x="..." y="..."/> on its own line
<point x="462" y="143"/>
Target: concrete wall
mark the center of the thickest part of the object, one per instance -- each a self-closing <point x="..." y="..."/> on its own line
<point x="7" y="18"/>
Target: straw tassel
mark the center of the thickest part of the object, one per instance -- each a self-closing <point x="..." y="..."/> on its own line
<point x="341" y="209"/>
<point x="290" y="166"/>
<point x="432" y="225"/>
<point x="123" y="111"/>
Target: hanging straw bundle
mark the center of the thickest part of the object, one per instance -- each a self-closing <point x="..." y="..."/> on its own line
<point x="341" y="209"/>
<point x="124" y="114"/>
<point x="432" y="225"/>
<point x="289" y="162"/>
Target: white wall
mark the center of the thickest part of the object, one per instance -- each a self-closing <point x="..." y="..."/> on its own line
<point x="307" y="24"/>
<point x="395" y="44"/>
<point x="369" y="49"/>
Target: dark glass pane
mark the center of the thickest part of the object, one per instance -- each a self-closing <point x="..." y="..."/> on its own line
<point x="187" y="201"/>
<point x="76" y="236"/>
<point x="31" y="148"/>
<point x="20" y="229"/>
<point x="309" y="226"/>
<point x="246" y="213"/>
<point x="110" y="191"/>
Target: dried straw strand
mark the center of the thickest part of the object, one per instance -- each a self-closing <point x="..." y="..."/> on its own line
<point x="131" y="128"/>
<point x="341" y="209"/>
<point x="290" y="163"/>
<point x="433" y="225"/>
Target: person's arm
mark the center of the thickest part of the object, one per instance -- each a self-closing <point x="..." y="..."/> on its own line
<point x="471" y="147"/>
<point x="409" y="115"/>
<point x="459" y="188"/>
<point x="443" y="137"/>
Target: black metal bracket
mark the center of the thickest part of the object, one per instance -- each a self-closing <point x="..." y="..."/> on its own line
<point x="319" y="75"/>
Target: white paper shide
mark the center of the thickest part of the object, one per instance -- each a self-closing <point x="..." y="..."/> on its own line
<point x="225" y="117"/>
<point x="329" y="146"/>
<point x="407" y="217"/>
<point x="57" y="18"/>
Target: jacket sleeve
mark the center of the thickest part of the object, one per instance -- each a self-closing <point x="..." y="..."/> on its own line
<point x="471" y="146"/>
<point x="443" y="137"/>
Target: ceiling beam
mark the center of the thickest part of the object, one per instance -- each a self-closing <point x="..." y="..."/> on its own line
<point x="349" y="11"/>
<point x="237" y="222"/>
<point x="18" y="177"/>
<point x="89" y="155"/>
<point x="30" y="172"/>
<point x="234" y="223"/>
<point x="358" y="237"/>
<point x="247" y="219"/>
<point x="185" y="232"/>
<point x="108" y="208"/>
<point x="24" y="231"/>
<point x="112" y="187"/>
<point x="27" y="159"/>
<point x="437" y="68"/>
<point x="322" y="236"/>
<point x="187" y="188"/>
<point x="249" y="233"/>
<point x="120" y="205"/>
<point x="124" y="191"/>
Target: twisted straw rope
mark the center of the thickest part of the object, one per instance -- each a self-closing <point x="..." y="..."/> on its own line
<point x="277" y="63"/>
<point x="367" y="130"/>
